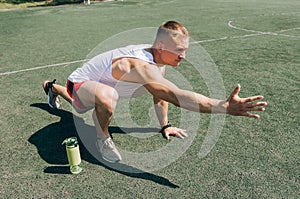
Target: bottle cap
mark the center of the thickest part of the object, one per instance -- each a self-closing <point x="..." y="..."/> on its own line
<point x="70" y="141"/>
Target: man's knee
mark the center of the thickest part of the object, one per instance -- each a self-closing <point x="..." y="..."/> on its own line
<point x="107" y="99"/>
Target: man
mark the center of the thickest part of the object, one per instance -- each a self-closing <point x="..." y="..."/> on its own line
<point x="126" y="72"/>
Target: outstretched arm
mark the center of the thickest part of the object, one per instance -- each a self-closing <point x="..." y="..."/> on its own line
<point x="234" y="105"/>
<point x="133" y="70"/>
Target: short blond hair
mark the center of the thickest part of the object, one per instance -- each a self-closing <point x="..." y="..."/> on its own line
<point x="171" y="29"/>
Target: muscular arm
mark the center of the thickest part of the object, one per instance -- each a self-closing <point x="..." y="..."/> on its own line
<point x="134" y="70"/>
<point x="189" y="100"/>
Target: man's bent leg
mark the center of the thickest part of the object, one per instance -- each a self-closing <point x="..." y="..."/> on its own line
<point x="104" y="99"/>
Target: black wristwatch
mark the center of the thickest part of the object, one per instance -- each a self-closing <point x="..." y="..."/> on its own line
<point x="165" y="127"/>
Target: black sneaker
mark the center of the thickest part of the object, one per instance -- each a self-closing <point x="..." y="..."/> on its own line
<point x="53" y="99"/>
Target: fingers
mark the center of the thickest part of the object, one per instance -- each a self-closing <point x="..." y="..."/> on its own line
<point x="256" y="104"/>
<point x="235" y="91"/>
<point x="166" y="136"/>
<point x="180" y="133"/>
<point x="244" y="106"/>
<point x="248" y="114"/>
<point x="173" y="131"/>
<point x="253" y="98"/>
<point x="254" y="107"/>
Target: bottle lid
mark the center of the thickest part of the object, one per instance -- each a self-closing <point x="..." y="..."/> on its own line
<point x="70" y="141"/>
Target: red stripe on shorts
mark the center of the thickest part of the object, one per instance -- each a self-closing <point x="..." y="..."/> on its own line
<point x="72" y="88"/>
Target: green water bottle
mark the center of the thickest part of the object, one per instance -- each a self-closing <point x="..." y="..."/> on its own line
<point x="73" y="154"/>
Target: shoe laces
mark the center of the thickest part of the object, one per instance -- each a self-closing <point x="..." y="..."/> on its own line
<point x="108" y="143"/>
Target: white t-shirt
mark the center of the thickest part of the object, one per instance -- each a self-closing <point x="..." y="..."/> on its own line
<point x="99" y="69"/>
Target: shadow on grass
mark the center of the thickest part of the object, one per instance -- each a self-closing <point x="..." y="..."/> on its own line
<point x="48" y="142"/>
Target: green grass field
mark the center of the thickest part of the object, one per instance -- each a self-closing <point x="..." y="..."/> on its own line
<point x="252" y="159"/>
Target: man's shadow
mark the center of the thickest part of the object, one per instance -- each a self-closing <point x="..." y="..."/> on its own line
<point x="48" y="141"/>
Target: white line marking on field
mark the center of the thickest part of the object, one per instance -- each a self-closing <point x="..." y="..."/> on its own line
<point x="224" y="38"/>
<point x="264" y="33"/>
<point x="230" y="24"/>
<point x="41" y="67"/>
<point x="288" y="29"/>
<point x="254" y="33"/>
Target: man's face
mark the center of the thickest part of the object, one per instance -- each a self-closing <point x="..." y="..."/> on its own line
<point x="173" y="50"/>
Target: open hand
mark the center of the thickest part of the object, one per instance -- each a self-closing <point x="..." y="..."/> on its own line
<point x="244" y="106"/>
<point x="174" y="131"/>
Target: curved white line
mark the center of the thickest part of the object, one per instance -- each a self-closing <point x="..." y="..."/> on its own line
<point x="230" y="24"/>
<point x="263" y="33"/>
